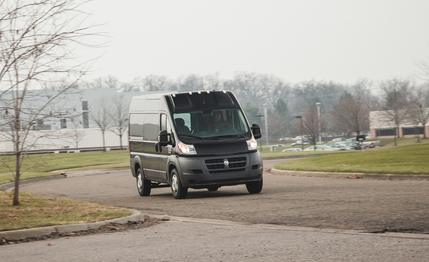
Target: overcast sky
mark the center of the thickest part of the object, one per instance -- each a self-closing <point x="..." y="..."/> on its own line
<point x="340" y="40"/>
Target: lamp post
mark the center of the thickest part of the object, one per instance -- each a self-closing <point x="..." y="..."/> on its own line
<point x="319" y="128"/>
<point x="266" y="125"/>
<point x="301" y="127"/>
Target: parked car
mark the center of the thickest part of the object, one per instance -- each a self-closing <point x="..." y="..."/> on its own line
<point x="300" y="143"/>
<point x="292" y="149"/>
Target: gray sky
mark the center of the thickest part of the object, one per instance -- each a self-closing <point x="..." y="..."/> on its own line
<point x="340" y="40"/>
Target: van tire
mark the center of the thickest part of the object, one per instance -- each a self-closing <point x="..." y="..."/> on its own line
<point x="143" y="185"/>
<point x="212" y="188"/>
<point x="177" y="189"/>
<point x="254" y="187"/>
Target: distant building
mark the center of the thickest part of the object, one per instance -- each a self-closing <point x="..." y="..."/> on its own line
<point x="71" y="125"/>
<point x="381" y="125"/>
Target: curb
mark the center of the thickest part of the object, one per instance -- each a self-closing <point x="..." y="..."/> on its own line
<point x="350" y="175"/>
<point x="57" y="174"/>
<point x="7" y="186"/>
<point x="22" y="234"/>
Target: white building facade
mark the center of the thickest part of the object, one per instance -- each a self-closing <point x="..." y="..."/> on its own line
<point x="382" y="125"/>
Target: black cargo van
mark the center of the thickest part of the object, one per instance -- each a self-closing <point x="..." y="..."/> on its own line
<point x="192" y="140"/>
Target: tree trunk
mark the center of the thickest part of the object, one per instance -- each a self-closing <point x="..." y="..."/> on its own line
<point x="104" y="140"/>
<point x="396" y="136"/>
<point x="120" y="141"/>
<point x="17" y="178"/>
<point x="18" y="159"/>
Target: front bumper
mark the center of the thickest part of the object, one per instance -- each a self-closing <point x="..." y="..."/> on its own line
<point x="200" y="172"/>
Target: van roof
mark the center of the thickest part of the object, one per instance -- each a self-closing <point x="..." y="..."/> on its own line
<point x="151" y="100"/>
<point x="159" y="94"/>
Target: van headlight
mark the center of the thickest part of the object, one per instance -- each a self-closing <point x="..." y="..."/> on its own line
<point x="252" y="144"/>
<point x="186" y="149"/>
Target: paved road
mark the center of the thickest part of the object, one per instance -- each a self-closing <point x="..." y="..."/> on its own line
<point x="184" y="241"/>
<point x="367" y="205"/>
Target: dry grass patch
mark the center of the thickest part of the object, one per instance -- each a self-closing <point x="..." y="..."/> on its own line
<point x="36" y="211"/>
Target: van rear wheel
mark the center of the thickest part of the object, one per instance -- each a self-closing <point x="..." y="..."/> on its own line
<point x="177" y="189"/>
<point x="143" y="185"/>
<point x="254" y="187"/>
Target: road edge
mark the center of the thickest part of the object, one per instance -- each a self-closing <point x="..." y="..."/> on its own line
<point x="7" y="186"/>
<point x="349" y="175"/>
<point x="173" y="219"/>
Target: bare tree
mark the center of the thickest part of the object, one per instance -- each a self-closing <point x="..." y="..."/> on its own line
<point x="311" y="125"/>
<point x="418" y="110"/>
<point x="76" y="133"/>
<point x="396" y="102"/>
<point x="119" y="116"/>
<point x="35" y="41"/>
<point x="101" y="117"/>
<point x="351" y="112"/>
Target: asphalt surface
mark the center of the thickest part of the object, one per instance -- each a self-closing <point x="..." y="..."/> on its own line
<point x="359" y="204"/>
<point x="184" y="241"/>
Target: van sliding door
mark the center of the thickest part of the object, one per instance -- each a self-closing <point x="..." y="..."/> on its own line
<point x="150" y="161"/>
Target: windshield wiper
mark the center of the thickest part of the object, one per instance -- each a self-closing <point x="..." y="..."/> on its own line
<point x="227" y="136"/>
<point x="189" y="136"/>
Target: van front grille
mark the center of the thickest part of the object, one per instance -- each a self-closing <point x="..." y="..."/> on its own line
<point x="221" y="165"/>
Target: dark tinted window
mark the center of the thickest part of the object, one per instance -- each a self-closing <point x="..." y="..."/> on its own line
<point x="136" y="125"/>
<point x="85" y="120"/>
<point x="63" y="123"/>
<point x="85" y="105"/>
<point x="150" y="127"/>
<point x="386" y="132"/>
<point x="417" y="130"/>
<point x="203" y="101"/>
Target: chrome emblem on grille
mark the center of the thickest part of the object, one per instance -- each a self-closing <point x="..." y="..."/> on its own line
<point x="226" y="163"/>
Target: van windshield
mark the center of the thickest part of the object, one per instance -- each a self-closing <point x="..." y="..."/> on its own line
<point x="211" y="124"/>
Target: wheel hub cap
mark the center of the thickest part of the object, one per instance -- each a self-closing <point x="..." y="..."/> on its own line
<point x="139" y="181"/>
<point x="174" y="185"/>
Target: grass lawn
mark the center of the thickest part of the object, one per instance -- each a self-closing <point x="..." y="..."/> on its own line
<point x="274" y="155"/>
<point x="395" y="161"/>
<point x="42" y="211"/>
<point x="41" y="165"/>
<point x="406" y="159"/>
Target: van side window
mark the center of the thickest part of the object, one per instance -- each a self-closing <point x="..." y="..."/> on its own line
<point x="150" y="127"/>
<point x="186" y="118"/>
<point x="136" y="125"/>
<point x="163" y="121"/>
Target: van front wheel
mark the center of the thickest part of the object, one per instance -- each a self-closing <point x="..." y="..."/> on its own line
<point x="254" y="187"/>
<point x="143" y="185"/>
<point x="177" y="189"/>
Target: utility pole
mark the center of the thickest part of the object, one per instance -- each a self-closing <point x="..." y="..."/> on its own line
<point x="266" y="125"/>
<point x="319" y="126"/>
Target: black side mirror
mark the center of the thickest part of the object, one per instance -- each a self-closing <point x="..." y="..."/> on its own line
<point x="256" y="130"/>
<point x="164" y="138"/>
